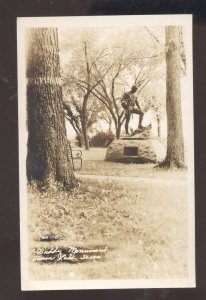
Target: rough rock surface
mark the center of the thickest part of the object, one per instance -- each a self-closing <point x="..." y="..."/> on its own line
<point x="150" y="149"/>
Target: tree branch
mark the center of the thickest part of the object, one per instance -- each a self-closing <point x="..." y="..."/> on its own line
<point x="154" y="37"/>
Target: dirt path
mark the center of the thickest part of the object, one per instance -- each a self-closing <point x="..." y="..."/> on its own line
<point x="147" y="180"/>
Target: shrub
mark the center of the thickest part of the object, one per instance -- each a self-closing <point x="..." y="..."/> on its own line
<point x="102" y="139"/>
<point x="79" y="140"/>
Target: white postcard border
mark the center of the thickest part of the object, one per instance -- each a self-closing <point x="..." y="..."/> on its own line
<point x="101" y="21"/>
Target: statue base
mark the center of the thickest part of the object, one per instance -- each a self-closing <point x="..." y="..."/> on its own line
<point x="142" y="148"/>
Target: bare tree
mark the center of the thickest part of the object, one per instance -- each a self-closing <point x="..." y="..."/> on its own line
<point x="106" y="72"/>
<point x="74" y="114"/>
<point x="85" y="78"/>
<point x="47" y="158"/>
<point x="105" y="115"/>
<point x="125" y="69"/>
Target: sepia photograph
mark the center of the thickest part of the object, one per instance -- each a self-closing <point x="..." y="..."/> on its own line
<point x="106" y="152"/>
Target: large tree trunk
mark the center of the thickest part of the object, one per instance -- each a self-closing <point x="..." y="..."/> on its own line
<point x="175" y="144"/>
<point x="47" y="158"/>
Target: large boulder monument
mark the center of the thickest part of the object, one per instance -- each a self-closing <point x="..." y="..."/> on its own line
<point x="140" y="148"/>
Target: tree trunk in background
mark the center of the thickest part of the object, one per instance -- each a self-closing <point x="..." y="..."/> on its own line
<point x="158" y="126"/>
<point x="175" y="144"/>
<point x="110" y="126"/>
<point x="84" y="122"/>
<point x="47" y="158"/>
<point x="80" y="140"/>
<point x="118" y="131"/>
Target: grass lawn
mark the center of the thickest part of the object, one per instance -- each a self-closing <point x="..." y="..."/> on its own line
<point x="94" y="164"/>
<point x="143" y="226"/>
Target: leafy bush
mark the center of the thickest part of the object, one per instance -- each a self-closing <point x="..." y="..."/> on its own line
<point x="102" y="139"/>
<point x="79" y="140"/>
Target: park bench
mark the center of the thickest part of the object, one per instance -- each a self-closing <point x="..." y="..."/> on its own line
<point x="75" y="154"/>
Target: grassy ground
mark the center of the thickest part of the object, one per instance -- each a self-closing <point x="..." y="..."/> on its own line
<point x="143" y="226"/>
<point x="93" y="163"/>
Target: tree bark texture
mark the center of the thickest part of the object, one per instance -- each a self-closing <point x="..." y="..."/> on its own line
<point x="175" y="144"/>
<point x="47" y="157"/>
<point x="118" y="131"/>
